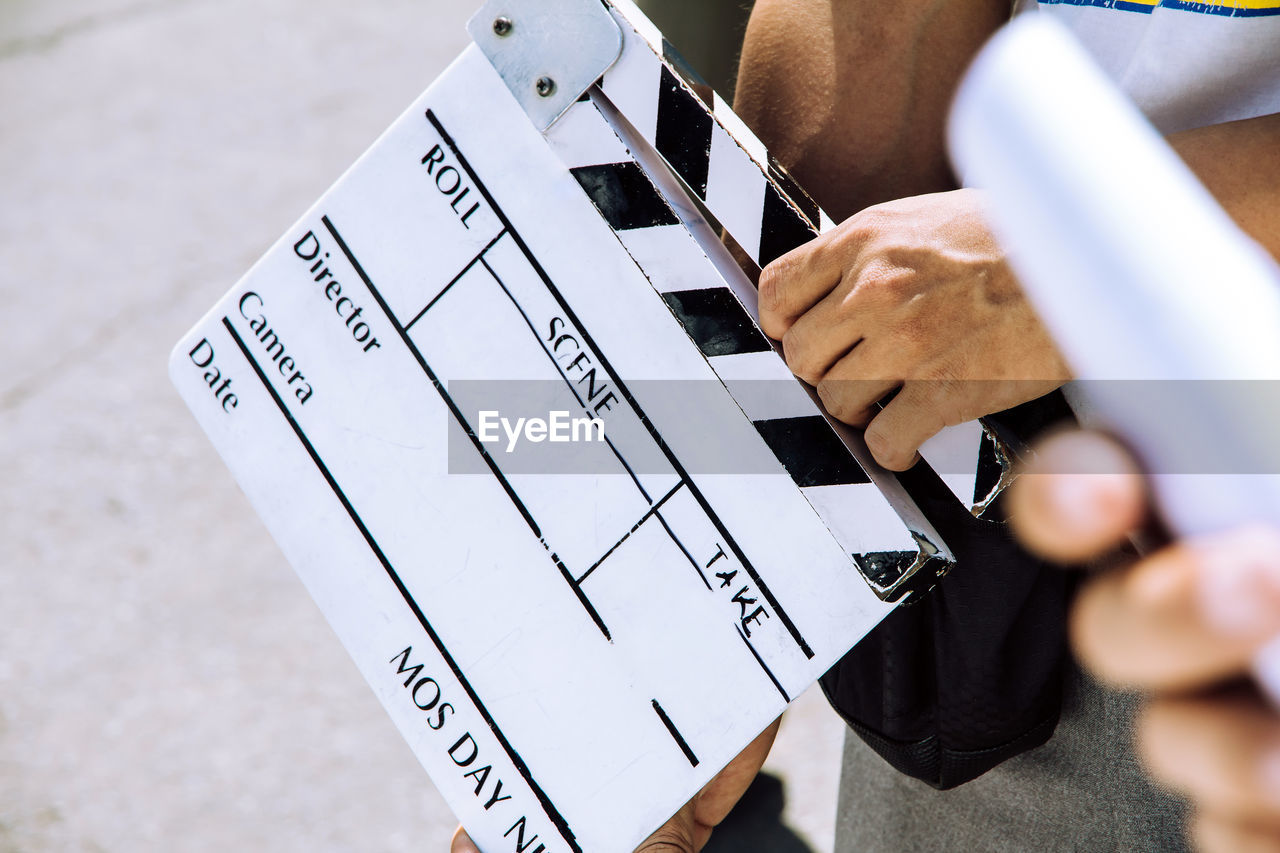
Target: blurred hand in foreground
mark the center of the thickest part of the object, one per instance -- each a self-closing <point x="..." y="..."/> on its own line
<point x="1182" y="624"/>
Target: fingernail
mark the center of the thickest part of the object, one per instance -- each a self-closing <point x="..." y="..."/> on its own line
<point x="1240" y="594"/>
<point x="1078" y="501"/>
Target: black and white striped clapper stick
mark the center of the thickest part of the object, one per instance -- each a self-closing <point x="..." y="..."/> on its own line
<point x="720" y="161"/>
<point x="866" y="508"/>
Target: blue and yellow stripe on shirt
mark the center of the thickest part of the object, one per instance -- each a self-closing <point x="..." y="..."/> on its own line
<point x="1230" y="9"/>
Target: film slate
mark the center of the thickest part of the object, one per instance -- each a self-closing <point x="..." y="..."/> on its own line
<point x="501" y="398"/>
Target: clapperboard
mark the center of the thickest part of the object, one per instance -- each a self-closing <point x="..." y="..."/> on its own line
<point x="572" y="645"/>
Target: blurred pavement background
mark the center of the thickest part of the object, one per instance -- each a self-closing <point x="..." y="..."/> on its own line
<point x="165" y="681"/>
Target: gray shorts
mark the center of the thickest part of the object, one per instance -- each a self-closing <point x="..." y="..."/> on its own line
<point x="1082" y="791"/>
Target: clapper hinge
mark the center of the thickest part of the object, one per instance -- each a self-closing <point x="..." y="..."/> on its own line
<point x="548" y="52"/>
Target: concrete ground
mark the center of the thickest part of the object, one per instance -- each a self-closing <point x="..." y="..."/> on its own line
<point x="165" y="682"/>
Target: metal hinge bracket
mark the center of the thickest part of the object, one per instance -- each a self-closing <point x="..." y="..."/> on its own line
<point x="548" y="52"/>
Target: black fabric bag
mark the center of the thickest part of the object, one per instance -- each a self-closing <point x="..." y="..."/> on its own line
<point x="970" y="675"/>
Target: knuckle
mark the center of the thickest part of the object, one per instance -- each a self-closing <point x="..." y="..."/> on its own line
<point x="882" y="446"/>
<point x="871" y="221"/>
<point x="772" y="279"/>
<point x="908" y="254"/>
<point x="836" y="402"/>
<point x="936" y="408"/>
<point x="850" y="401"/>
<point x="776" y="281"/>
<point x="894" y="436"/>
<point x="801" y="358"/>
<point x="889" y="281"/>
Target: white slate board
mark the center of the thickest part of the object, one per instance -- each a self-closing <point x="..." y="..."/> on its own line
<point x="570" y="656"/>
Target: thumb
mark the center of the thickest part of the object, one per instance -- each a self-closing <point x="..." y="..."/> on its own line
<point x="674" y="836"/>
<point x="462" y="843"/>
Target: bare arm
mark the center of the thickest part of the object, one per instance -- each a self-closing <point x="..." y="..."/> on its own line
<point x="1240" y="164"/>
<point x="852" y="95"/>
<point x="911" y="292"/>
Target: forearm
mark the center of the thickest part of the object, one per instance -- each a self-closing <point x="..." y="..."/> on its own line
<point x="852" y="95"/>
<point x="1240" y="164"/>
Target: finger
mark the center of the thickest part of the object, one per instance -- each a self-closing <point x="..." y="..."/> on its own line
<point x="722" y="793"/>
<point x="848" y="392"/>
<point x="827" y="333"/>
<point x="1221" y="751"/>
<point x="913" y="417"/>
<point x="854" y="401"/>
<point x="794" y="283"/>
<point x="462" y="843"/>
<point x="853" y="387"/>
<point x="1078" y="497"/>
<point x="1214" y="834"/>
<point x="690" y="828"/>
<point x="1190" y="615"/>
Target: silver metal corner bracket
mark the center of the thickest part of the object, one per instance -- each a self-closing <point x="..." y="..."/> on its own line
<point x="548" y="52"/>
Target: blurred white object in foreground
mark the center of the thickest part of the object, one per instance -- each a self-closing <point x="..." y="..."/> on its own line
<point x="1167" y="312"/>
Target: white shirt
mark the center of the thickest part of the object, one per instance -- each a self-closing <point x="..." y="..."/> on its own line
<point x="1185" y="64"/>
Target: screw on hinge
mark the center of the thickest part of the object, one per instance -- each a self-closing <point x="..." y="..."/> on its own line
<point x="502" y="27"/>
<point x="546" y="87"/>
